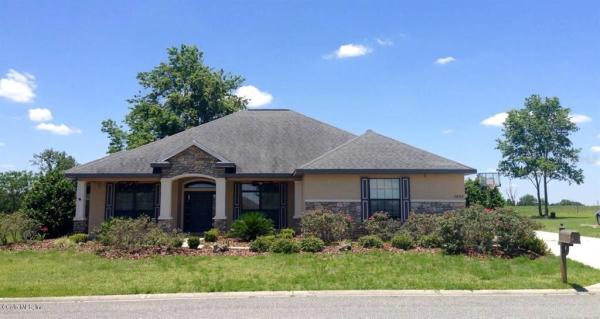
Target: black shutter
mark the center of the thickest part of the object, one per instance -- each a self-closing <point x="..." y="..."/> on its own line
<point x="109" y="202"/>
<point x="156" y="201"/>
<point x="237" y="198"/>
<point x="364" y="197"/>
<point x="404" y="197"/>
<point x="283" y="205"/>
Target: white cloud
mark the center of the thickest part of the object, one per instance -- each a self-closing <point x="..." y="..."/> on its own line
<point x="60" y="129"/>
<point x="18" y="87"/>
<point x="495" y="120"/>
<point x="445" y="60"/>
<point x="40" y="115"/>
<point x="597" y="162"/>
<point x="384" y="42"/>
<point x="448" y="131"/>
<point x="254" y="96"/>
<point x="580" y="118"/>
<point x="350" y="51"/>
<point x="595" y="149"/>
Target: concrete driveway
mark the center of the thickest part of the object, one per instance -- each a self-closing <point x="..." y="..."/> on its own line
<point x="588" y="252"/>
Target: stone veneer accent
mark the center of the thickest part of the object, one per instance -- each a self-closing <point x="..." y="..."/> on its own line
<point x="165" y="224"/>
<point x="435" y="207"/>
<point x="192" y="160"/>
<point x="220" y="224"/>
<point x="80" y="226"/>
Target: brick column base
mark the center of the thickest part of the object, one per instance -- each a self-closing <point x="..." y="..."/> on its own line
<point x="80" y="226"/>
<point x="220" y="224"/>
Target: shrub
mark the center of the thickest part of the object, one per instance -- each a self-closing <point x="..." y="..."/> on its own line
<point x="382" y="225"/>
<point x="403" y="240"/>
<point x="311" y="244"/>
<point x="251" y="225"/>
<point x="79" y="238"/>
<point x="133" y="234"/>
<point x="535" y="245"/>
<point x="370" y="241"/>
<point x="287" y="233"/>
<point x="193" y="242"/>
<point x="419" y="225"/>
<point x="327" y="225"/>
<point x="429" y="241"/>
<point x="285" y="246"/>
<point x="212" y="235"/>
<point x="262" y="244"/>
<point x="177" y="242"/>
<point x="64" y="243"/>
<point x="17" y="227"/>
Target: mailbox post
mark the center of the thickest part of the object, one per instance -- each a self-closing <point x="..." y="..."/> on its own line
<point x="566" y="239"/>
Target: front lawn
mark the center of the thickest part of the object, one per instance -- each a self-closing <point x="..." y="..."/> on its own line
<point x="580" y="218"/>
<point x="64" y="273"/>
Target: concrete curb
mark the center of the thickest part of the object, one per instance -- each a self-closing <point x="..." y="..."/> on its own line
<point x="324" y="293"/>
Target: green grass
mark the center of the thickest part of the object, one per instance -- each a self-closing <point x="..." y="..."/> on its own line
<point x="56" y="273"/>
<point x="580" y="218"/>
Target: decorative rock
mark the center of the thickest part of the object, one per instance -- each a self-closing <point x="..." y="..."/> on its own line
<point x="220" y="248"/>
<point x="345" y="247"/>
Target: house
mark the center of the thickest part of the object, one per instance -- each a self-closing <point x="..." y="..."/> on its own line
<point x="276" y="161"/>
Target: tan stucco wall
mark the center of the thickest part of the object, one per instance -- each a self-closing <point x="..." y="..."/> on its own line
<point x="347" y="186"/>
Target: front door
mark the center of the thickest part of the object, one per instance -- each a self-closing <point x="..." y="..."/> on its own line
<point x="198" y="211"/>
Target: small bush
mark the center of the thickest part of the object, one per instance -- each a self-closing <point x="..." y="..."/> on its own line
<point x="429" y="241"/>
<point x="133" y="234"/>
<point x="422" y="224"/>
<point x="285" y="246"/>
<point x="64" y="243"/>
<point x="262" y="244"/>
<point x="287" y="233"/>
<point x="251" y="225"/>
<point x="535" y="245"/>
<point x="17" y="227"/>
<point x="193" y="242"/>
<point x="79" y="238"/>
<point x="382" y="225"/>
<point x="327" y="225"/>
<point x="177" y="242"/>
<point x="311" y="244"/>
<point x="211" y="235"/>
<point x="370" y="241"/>
<point x="403" y="240"/>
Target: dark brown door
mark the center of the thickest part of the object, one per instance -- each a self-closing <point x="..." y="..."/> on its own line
<point x="198" y="211"/>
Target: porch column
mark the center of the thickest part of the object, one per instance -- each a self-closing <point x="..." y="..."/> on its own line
<point x="220" y="220"/>
<point x="166" y="187"/>
<point x="79" y="221"/>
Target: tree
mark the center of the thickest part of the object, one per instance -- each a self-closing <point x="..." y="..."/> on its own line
<point x="511" y="193"/>
<point x="51" y="160"/>
<point x="478" y="194"/>
<point x="567" y="202"/>
<point x="536" y="145"/>
<point x="13" y="186"/>
<point x="527" y="200"/>
<point x="177" y="95"/>
<point x="51" y="201"/>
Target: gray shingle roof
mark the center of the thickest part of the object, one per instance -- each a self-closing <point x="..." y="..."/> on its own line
<point x="372" y="151"/>
<point x="257" y="141"/>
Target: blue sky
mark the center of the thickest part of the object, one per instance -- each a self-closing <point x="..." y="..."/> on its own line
<point x="426" y="73"/>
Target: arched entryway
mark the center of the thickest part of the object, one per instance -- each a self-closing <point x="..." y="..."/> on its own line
<point x="198" y="205"/>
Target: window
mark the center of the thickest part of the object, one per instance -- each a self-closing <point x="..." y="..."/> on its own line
<point x="134" y="200"/>
<point x="264" y="198"/>
<point x="200" y="185"/>
<point x="384" y="196"/>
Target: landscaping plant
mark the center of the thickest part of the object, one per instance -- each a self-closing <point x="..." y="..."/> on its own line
<point x="193" y="242"/>
<point x="64" y="243"/>
<point x="17" y="227"/>
<point x="78" y="238"/>
<point x="211" y="235"/>
<point x="262" y="244"/>
<point x="327" y="225"/>
<point x="134" y="234"/>
<point x="251" y="225"/>
<point x="311" y="244"/>
<point x="370" y="241"/>
<point x="285" y="246"/>
<point x="403" y="240"/>
<point x="286" y="233"/>
<point x="383" y="225"/>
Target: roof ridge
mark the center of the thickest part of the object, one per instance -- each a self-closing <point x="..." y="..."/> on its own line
<point x="331" y="151"/>
<point x="321" y="122"/>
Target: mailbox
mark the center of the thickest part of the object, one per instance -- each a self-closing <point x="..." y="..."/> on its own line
<point x="568" y="237"/>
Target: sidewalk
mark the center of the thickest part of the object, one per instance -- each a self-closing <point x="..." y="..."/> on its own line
<point x="588" y="252"/>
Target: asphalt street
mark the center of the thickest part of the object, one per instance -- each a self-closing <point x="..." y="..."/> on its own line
<point x="516" y="305"/>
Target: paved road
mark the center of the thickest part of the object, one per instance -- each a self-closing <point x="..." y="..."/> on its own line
<point x="316" y="306"/>
<point x="588" y="252"/>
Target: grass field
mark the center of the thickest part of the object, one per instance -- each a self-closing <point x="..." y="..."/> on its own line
<point x="63" y="273"/>
<point x="580" y="218"/>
